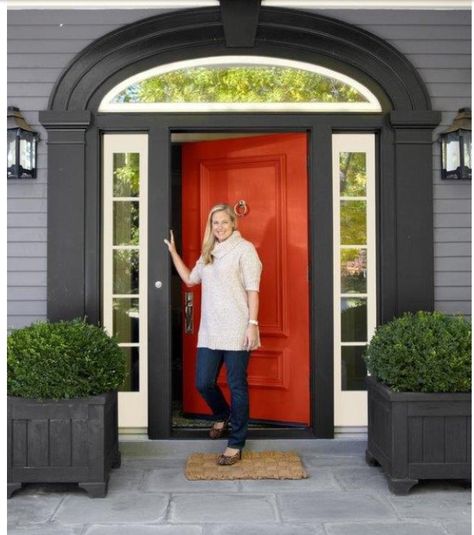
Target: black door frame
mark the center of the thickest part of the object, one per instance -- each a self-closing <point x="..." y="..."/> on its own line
<point x="320" y="128"/>
<point x="405" y="229"/>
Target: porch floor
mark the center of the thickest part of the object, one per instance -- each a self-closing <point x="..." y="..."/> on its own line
<point x="149" y="495"/>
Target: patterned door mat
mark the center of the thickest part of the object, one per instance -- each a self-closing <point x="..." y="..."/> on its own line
<point x="254" y="465"/>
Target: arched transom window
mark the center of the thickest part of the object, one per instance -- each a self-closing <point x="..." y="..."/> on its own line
<point x="239" y="83"/>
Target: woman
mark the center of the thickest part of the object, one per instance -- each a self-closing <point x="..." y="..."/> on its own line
<point x="229" y="269"/>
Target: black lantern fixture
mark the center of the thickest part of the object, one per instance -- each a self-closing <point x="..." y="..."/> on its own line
<point x="456" y="147"/>
<point x="22" y="142"/>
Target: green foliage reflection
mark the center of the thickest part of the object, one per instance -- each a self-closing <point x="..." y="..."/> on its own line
<point x="126" y="223"/>
<point x="353" y="223"/>
<point x="352" y="174"/>
<point x="126" y="174"/>
<point x="234" y="84"/>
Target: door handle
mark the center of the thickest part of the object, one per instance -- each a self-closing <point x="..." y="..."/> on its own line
<point x="188" y="313"/>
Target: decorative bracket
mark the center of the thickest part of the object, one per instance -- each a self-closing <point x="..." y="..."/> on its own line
<point x="240" y="19"/>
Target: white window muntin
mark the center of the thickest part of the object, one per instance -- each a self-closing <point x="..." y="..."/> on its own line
<point x="350" y="406"/>
<point x="107" y="105"/>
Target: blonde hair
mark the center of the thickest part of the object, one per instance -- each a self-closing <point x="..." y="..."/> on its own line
<point x="209" y="239"/>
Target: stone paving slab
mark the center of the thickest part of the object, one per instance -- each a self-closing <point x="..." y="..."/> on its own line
<point x="441" y="506"/>
<point x="31" y="509"/>
<point x="45" y="529"/>
<point x="173" y="480"/>
<point x="140" y="529"/>
<point x="149" y="463"/>
<point x="265" y="529"/>
<point x="324" y="506"/>
<point x="377" y="528"/>
<point x="125" y="479"/>
<point x="334" y="461"/>
<point x="458" y="528"/>
<point x="319" y="479"/>
<point x="361" y="478"/>
<point x="115" y="508"/>
<point x="222" y="508"/>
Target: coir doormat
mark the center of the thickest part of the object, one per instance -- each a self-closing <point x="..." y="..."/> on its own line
<point x="254" y="465"/>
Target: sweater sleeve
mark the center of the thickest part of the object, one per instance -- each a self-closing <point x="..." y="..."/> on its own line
<point x="251" y="268"/>
<point x="196" y="273"/>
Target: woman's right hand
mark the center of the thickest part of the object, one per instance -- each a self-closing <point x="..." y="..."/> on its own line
<point x="170" y="243"/>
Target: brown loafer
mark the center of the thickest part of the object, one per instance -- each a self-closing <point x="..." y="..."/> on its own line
<point x="215" y="433"/>
<point x="228" y="460"/>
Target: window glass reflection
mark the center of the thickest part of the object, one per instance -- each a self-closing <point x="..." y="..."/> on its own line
<point x="354" y="319"/>
<point x="238" y="83"/>
<point x="126" y="174"/>
<point x="126" y="223"/>
<point x="125" y="320"/>
<point x="353" y="368"/>
<point x="131" y="382"/>
<point x="354" y="270"/>
<point x="352" y="174"/>
<point x="125" y="271"/>
<point x="353" y="223"/>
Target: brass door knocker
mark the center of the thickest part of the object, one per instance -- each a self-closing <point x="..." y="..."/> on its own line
<point x="241" y="208"/>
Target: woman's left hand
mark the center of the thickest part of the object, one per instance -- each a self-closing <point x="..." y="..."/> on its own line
<point x="251" y="337"/>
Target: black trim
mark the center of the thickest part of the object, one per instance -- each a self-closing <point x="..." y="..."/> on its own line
<point x="404" y="191"/>
<point x="322" y="295"/>
<point x="66" y="190"/>
<point x="159" y="269"/>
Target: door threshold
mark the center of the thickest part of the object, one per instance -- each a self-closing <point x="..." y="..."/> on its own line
<point x="303" y="432"/>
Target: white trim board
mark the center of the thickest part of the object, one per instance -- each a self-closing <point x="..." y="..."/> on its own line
<point x="180" y="4"/>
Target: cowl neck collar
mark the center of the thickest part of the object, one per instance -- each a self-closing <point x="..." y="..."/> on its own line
<point x="222" y="248"/>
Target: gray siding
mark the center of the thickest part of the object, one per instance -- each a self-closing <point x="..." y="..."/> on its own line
<point x="438" y="43"/>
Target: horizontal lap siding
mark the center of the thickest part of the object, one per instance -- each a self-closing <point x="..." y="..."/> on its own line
<point x="34" y="65"/>
<point x="42" y="43"/>
<point x="438" y="43"/>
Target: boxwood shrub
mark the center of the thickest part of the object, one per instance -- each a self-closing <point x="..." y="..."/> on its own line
<point x="61" y="360"/>
<point x="422" y="352"/>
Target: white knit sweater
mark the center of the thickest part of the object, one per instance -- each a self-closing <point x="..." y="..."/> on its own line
<point x="224" y="308"/>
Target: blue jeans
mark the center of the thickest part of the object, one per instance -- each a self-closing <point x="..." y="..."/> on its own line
<point x="209" y="363"/>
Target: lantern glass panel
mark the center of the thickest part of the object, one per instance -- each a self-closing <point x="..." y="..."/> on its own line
<point x="27" y="153"/>
<point x="11" y="146"/>
<point x="451" y="155"/>
<point x="467" y="149"/>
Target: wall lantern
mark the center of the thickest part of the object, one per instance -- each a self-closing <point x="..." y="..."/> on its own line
<point x="22" y="142"/>
<point x="456" y="147"/>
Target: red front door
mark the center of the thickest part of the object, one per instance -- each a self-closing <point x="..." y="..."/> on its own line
<point x="269" y="173"/>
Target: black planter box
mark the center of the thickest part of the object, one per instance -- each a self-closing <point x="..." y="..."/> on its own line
<point x="416" y="435"/>
<point x="67" y="441"/>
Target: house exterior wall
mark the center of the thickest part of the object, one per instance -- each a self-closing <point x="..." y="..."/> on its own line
<point x="42" y="43"/>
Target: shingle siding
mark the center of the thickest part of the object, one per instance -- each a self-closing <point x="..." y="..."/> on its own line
<point x="438" y="43"/>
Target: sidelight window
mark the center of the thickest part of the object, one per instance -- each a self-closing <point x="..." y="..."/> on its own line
<point x="124" y="265"/>
<point x="354" y="256"/>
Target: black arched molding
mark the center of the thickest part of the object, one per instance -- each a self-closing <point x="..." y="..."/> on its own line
<point x="405" y="268"/>
<point x="198" y="33"/>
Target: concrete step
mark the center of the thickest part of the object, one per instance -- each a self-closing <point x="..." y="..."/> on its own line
<point x="142" y="447"/>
